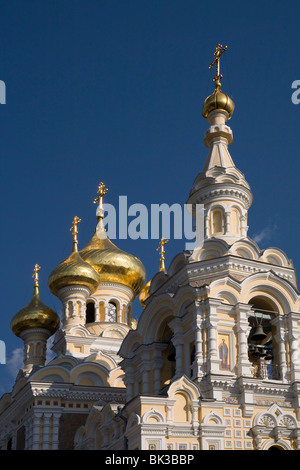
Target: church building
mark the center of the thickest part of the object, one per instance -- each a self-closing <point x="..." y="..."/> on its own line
<point x="213" y="361"/>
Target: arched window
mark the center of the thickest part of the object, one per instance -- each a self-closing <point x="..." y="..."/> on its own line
<point x="112" y="312"/>
<point x="90" y="312"/>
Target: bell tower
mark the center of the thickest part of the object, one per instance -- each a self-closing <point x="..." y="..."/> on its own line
<point x="221" y="188"/>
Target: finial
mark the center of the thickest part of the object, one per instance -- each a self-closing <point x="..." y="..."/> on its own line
<point x="100" y="229"/>
<point x="74" y="227"/>
<point x="36" y="277"/>
<point x="102" y="190"/>
<point x="161" y="247"/>
<point x="218" y="52"/>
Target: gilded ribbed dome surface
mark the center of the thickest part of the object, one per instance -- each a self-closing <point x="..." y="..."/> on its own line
<point x="35" y="315"/>
<point x="113" y="264"/>
<point x="73" y="271"/>
<point x="218" y="101"/>
<point x="144" y="294"/>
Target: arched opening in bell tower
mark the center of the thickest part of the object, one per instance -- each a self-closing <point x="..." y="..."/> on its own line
<point x="262" y="348"/>
<point x="90" y="312"/>
<point x="168" y="354"/>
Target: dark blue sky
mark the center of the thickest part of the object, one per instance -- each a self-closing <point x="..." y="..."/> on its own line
<point x="112" y="90"/>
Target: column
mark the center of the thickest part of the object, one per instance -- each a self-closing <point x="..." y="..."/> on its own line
<point x="97" y="311"/>
<point x="36" y="431"/>
<point x="206" y="226"/>
<point x="197" y="366"/>
<point x="46" y="431"/>
<point x="227" y="222"/>
<point x="55" y="430"/>
<point x="280" y="338"/>
<point x="293" y="337"/>
<point x="243" y="331"/>
<point x="213" y="360"/>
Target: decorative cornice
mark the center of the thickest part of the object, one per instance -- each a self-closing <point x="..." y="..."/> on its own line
<point x="223" y="265"/>
<point x="216" y="191"/>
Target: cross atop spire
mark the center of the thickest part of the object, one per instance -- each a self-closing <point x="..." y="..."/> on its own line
<point x="218" y="52"/>
<point x="102" y="190"/>
<point x="74" y="228"/>
<point x="161" y="247"/>
<point x="35" y="275"/>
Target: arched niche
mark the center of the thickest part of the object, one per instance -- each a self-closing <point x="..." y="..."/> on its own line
<point x="217" y="221"/>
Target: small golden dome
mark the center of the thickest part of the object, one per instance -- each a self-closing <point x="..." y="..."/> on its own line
<point x="218" y="100"/>
<point x="113" y="264"/>
<point x="144" y="294"/>
<point x="35" y="315"/>
<point x="73" y="271"/>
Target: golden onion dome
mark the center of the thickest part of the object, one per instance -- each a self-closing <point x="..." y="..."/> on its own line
<point x="218" y="101"/>
<point x="35" y="315"/>
<point x="73" y="271"/>
<point x="113" y="264"/>
<point x="144" y="294"/>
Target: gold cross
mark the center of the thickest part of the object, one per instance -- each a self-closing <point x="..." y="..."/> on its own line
<point x="35" y="274"/>
<point x="218" y="52"/>
<point x="161" y="247"/>
<point x="74" y="227"/>
<point x="102" y="190"/>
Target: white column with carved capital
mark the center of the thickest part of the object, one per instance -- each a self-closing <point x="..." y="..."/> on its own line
<point x="280" y="338"/>
<point x="213" y="360"/>
<point x="197" y="366"/>
<point x="243" y="329"/>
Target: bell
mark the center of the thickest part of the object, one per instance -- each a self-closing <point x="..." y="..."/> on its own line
<point x="258" y="334"/>
<point x="256" y="352"/>
<point x="269" y="355"/>
<point x="262" y="352"/>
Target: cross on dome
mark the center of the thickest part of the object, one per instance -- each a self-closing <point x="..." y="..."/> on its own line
<point x="218" y="52"/>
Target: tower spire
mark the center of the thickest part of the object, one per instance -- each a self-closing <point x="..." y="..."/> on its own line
<point x="220" y="186"/>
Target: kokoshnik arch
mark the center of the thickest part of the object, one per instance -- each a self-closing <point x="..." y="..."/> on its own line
<point x="212" y="363"/>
